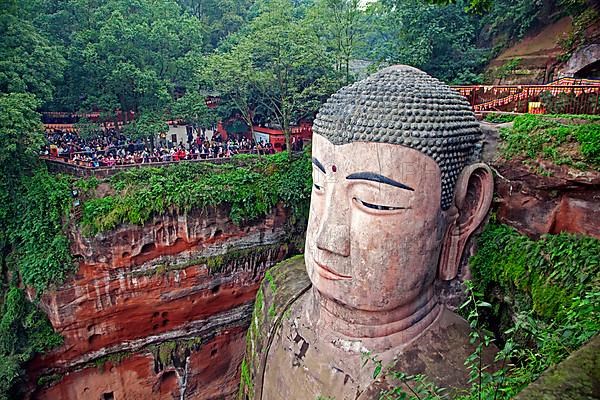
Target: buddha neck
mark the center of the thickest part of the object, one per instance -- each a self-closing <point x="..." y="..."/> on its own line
<point x="377" y="330"/>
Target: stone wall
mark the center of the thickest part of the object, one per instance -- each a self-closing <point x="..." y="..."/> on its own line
<point x="159" y="310"/>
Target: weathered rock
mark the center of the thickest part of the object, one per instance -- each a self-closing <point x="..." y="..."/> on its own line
<point x="580" y="59"/>
<point x="540" y="197"/>
<point x="539" y="55"/>
<point x="575" y="378"/>
<point x="177" y="277"/>
<point x="211" y="372"/>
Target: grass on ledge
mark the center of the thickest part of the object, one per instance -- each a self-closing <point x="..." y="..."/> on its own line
<point x="562" y="139"/>
<point x="249" y="189"/>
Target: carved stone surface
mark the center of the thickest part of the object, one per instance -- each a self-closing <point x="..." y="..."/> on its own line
<point x="403" y="105"/>
<point x="177" y="278"/>
<point x="397" y="193"/>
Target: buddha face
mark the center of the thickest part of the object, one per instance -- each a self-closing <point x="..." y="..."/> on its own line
<point x="376" y="226"/>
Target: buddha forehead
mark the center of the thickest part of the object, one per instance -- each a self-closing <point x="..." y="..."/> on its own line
<point x="401" y="105"/>
<point x="397" y="162"/>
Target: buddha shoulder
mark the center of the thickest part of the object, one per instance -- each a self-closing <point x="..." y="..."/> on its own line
<point x="283" y="284"/>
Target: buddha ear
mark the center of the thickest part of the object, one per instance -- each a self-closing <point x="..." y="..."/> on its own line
<point x="472" y="199"/>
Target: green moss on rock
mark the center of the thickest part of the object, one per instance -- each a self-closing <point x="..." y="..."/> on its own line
<point x="576" y="378"/>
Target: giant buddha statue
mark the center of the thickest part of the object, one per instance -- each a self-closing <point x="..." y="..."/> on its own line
<point x="397" y="191"/>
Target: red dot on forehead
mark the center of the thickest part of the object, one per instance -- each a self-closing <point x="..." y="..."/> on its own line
<point x="333" y="168"/>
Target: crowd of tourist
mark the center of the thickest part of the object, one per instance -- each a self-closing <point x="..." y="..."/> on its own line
<point x="110" y="148"/>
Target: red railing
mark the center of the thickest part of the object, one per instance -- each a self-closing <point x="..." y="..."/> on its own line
<point x="565" y="96"/>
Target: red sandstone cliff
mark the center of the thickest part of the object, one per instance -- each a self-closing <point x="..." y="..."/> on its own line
<point x="159" y="311"/>
<point x="566" y="201"/>
<point x="539" y="197"/>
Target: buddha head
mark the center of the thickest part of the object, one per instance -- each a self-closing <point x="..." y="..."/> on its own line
<point x="397" y="191"/>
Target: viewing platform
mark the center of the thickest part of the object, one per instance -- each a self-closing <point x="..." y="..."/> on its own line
<point x="59" y="166"/>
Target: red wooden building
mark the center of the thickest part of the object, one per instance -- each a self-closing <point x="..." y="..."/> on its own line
<point x="277" y="138"/>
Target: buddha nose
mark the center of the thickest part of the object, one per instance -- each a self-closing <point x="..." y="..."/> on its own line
<point x="334" y="230"/>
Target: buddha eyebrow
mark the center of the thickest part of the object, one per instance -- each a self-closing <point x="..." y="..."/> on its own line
<point x="372" y="176"/>
<point x="318" y="164"/>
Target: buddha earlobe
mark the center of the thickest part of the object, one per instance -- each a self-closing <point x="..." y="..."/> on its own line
<point x="472" y="199"/>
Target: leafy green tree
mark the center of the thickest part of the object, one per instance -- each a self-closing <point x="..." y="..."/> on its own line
<point x="24" y="331"/>
<point x="438" y="39"/>
<point x="229" y="74"/>
<point x="147" y="125"/>
<point x="474" y="6"/>
<point x="289" y="69"/>
<point x="122" y="54"/>
<point x="26" y="225"/>
<point x="219" y="18"/>
<point x="20" y="140"/>
<point x="338" y="23"/>
<point x="509" y="20"/>
<point x="193" y="110"/>
<point x="28" y="62"/>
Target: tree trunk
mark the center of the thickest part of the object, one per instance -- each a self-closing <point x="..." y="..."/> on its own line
<point x="287" y="134"/>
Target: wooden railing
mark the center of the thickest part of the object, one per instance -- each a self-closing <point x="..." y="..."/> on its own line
<point x="61" y="165"/>
<point x="567" y="95"/>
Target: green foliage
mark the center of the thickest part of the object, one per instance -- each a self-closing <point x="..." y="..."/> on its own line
<point x="87" y="186"/>
<point x="550" y="271"/>
<point x="563" y="102"/>
<point x="216" y="264"/>
<point x="20" y="137"/>
<point x="269" y="278"/>
<point x="584" y="16"/>
<point x="48" y="380"/>
<point x="29" y="63"/>
<point x="87" y="129"/>
<point x="166" y="352"/>
<point x="474" y="6"/>
<point x="552" y="289"/>
<point x="246" y="377"/>
<point x="192" y="109"/>
<point x="562" y="141"/>
<point x="340" y="25"/>
<point x="499" y="118"/>
<point x="219" y="18"/>
<point x="249" y="190"/>
<point x="508" y="68"/>
<point x="147" y="125"/>
<point x="411" y="387"/>
<point x="281" y="66"/>
<point x="509" y="20"/>
<point x="29" y="66"/>
<point x="439" y="39"/>
<point x="24" y="331"/>
<point x="42" y="247"/>
<point x="113" y="359"/>
<point x="121" y="54"/>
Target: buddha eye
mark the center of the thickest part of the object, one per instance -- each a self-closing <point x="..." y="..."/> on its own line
<point x="317" y="187"/>
<point x="378" y="207"/>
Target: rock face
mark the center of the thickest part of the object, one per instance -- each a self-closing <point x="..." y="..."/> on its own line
<point x="575" y="378"/>
<point x="547" y="198"/>
<point x="162" y="307"/>
<point x="581" y="59"/>
<point x="566" y="201"/>
<point x="538" y="53"/>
